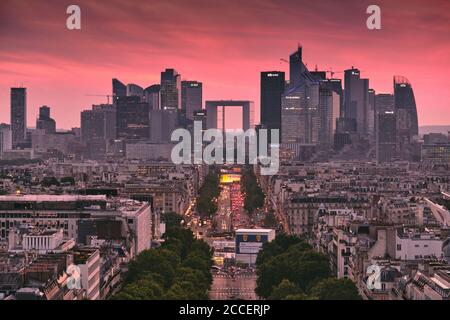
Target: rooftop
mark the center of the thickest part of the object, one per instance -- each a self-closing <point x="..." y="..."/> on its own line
<point x="254" y="230"/>
<point x="51" y="198"/>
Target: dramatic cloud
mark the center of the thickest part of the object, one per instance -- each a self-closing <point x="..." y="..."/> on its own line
<point x="224" y="43"/>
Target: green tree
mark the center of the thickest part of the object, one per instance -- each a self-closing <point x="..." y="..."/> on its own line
<point x="68" y="180"/>
<point x="286" y="289"/>
<point x="179" y="269"/>
<point x="281" y="243"/>
<point x="302" y="268"/>
<point x="182" y="290"/>
<point x="270" y="221"/>
<point x="254" y="196"/>
<point x="161" y="261"/>
<point x="335" y="289"/>
<point x="171" y="219"/>
<point x="149" y="287"/>
<point x="208" y="194"/>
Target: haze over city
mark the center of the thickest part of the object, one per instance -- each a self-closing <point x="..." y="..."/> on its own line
<point x="224" y="44"/>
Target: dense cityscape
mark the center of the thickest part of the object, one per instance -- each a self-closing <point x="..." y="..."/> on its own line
<point x="359" y="209"/>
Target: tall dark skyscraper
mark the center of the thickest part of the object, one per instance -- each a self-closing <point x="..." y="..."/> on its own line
<point x="336" y="86"/>
<point x="170" y="90"/>
<point x="45" y="122"/>
<point x="272" y="87"/>
<point x="296" y="67"/>
<point x="98" y="127"/>
<point x="371" y="113"/>
<point x="385" y="128"/>
<point x="356" y="100"/>
<point x="406" y="111"/>
<point x="119" y="89"/>
<point x="191" y="98"/>
<point x="329" y="109"/>
<point x="133" y="119"/>
<point x="98" y="123"/>
<point x="18" y="115"/>
<point x="300" y="119"/>
<point x="5" y="138"/>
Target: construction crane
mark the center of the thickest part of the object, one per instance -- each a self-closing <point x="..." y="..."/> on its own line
<point x="332" y="73"/>
<point x="286" y="61"/>
<point x="100" y="95"/>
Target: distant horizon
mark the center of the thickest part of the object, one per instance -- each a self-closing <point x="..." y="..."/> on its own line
<point x="225" y="45"/>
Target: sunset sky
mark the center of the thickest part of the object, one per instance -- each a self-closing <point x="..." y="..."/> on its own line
<point x="223" y="43"/>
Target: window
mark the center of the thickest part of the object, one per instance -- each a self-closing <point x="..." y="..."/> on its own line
<point x="399" y="247"/>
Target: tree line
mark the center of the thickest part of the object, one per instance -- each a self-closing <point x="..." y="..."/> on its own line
<point x="289" y="269"/>
<point x="178" y="270"/>
<point x="208" y="194"/>
<point x="253" y="194"/>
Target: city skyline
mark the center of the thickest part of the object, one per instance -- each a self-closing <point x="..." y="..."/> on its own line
<point x="244" y="152"/>
<point x="228" y="63"/>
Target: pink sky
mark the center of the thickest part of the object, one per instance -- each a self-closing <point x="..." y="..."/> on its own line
<point x="224" y="43"/>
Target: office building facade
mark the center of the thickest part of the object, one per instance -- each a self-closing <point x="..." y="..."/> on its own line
<point x="272" y="88"/>
<point x="170" y="90"/>
<point x="18" y="115"/>
<point x="191" y="98"/>
<point x="356" y="102"/>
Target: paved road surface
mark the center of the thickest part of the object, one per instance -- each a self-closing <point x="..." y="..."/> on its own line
<point x="241" y="286"/>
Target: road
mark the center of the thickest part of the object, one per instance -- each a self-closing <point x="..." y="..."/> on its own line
<point x="240" y="287"/>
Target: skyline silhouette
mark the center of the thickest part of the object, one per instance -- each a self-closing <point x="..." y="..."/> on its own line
<point x="225" y="45"/>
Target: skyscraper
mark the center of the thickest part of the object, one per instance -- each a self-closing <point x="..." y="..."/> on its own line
<point x="98" y="128"/>
<point x="170" y="90"/>
<point x="406" y="111"/>
<point x="18" y="115"/>
<point x="296" y="67"/>
<point x="98" y="123"/>
<point x="300" y="119"/>
<point x="5" y="138"/>
<point x="300" y="115"/>
<point x="133" y="90"/>
<point x="133" y="119"/>
<point x="45" y="122"/>
<point x="272" y="88"/>
<point x="152" y="95"/>
<point x="385" y="128"/>
<point x="162" y="124"/>
<point x="191" y="98"/>
<point x="356" y="100"/>
<point x="371" y="113"/>
<point x="119" y="89"/>
<point x="329" y="109"/>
